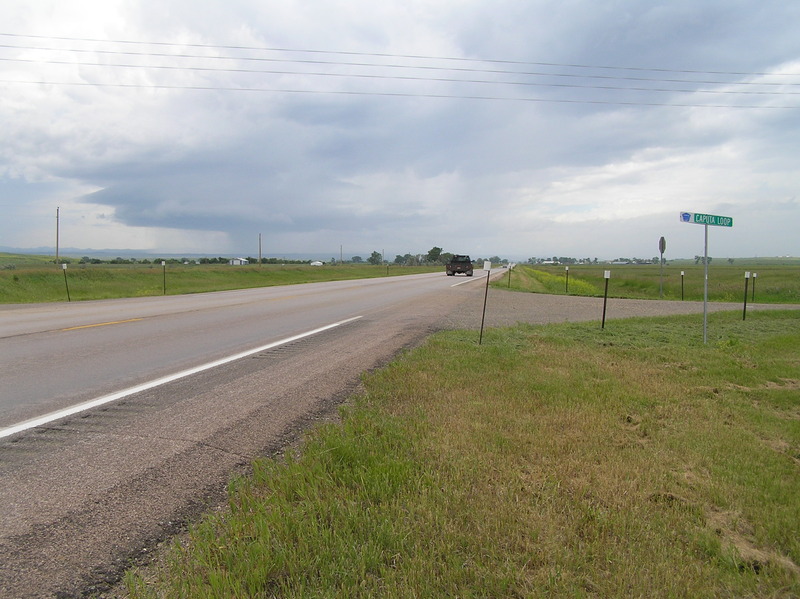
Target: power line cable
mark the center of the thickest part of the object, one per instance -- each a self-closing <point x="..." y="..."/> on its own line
<point x="397" y="77"/>
<point x="398" y="66"/>
<point x="426" y="67"/>
<point x="393" y="94"/>
<point x="409" y="56"/>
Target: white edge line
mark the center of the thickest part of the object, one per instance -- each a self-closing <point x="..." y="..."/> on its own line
<point x="93" y="403"/>
<point x="470" y="280"/>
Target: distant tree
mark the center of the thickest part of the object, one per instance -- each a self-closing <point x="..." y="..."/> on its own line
<point x="399" y="260"/>
<point x="495" y="260"/>
<point x="434" y="254"/>
<point x="375" y="258"/>
<point x="445" y="257"/>
<point x="730" y="260"/>
<point x="357" y="259"/>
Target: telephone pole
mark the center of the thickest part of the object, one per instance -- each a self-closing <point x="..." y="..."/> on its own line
<point x="58" y="215"/>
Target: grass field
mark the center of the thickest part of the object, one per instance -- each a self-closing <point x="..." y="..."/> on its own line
<point x="27" y="283"/>
<point x="550" y="461"/>
<point x="27" y="279"/>
<point x="775" y="283"/>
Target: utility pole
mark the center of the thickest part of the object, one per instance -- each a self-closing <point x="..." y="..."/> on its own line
<point x="58" y="215"/>
<point x="259" y="249"/>
<point x="662" y="246"/>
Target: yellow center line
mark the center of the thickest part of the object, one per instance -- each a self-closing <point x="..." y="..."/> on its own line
<point x="101" y="324"/>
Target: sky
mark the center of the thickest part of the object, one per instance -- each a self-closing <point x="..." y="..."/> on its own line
<point x="511" y="128"/>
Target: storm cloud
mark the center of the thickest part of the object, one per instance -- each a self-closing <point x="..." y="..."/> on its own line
<point x="494" y="128"/>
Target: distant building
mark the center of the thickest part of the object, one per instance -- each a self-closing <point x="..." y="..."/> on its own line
<point x="238" y="261"/>
<point x="316" y="263"/>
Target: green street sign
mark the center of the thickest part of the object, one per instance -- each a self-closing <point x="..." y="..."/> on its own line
<point x="706" y="219"/>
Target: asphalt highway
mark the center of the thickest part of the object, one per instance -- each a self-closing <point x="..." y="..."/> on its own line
<point x="57" y="355"/>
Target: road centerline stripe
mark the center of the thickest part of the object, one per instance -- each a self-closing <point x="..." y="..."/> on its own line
<point x="93" y="403"/>
<point x="101" y="324"/>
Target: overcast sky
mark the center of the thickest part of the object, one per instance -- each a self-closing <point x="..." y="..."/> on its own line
<point x="516" y="128"/>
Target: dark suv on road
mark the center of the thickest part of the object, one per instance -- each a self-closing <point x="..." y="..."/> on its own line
<point x="459" y="263"/>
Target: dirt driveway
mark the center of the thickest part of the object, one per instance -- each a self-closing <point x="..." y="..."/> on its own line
<point x="507" y="308"/>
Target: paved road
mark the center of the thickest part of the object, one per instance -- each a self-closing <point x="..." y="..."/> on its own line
<point x="57" y="355"/>
<point x="83" y="497"/>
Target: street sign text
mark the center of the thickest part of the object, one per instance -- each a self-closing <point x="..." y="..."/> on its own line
<point x="706" y="219"/>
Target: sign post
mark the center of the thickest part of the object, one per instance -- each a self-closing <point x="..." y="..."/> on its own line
<point x="662" y="245"/>
<point x="566" y="270"/>
<point x="705" y="220"/>
<point x="66" y="284"/>
<point x="682" y="273"/>
<point x="746" y="281"/>
<point x="606" y="276"/>
<point x="487" y="266"/>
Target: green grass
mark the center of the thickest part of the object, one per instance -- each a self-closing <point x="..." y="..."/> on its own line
<point x="11" y="261"/>
<point x="561" y="460"/>
<point x="775" y="283"/>
<point x="45" y="283"/>
<point x="26" y="279"/>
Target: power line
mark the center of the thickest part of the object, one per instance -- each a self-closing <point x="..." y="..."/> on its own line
<point x="427" y="67"/>
<point x="409" y="56"/>
<point x="388" y="75"/>
<point x="399" y="77"/>
<point x="390" y="94"/>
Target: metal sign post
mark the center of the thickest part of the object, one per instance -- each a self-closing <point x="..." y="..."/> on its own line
<point x="682" y="273"/>
<point x="746" y="281"/>
<point x="487" y="266"/>
<point x="705" y="287"/>
<point x="662" y="246"/>
<point x="66" y="284"/>
<point x="566" y="290"/>
<point x="607" y="276"/>
<point x="706" y="220"/>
